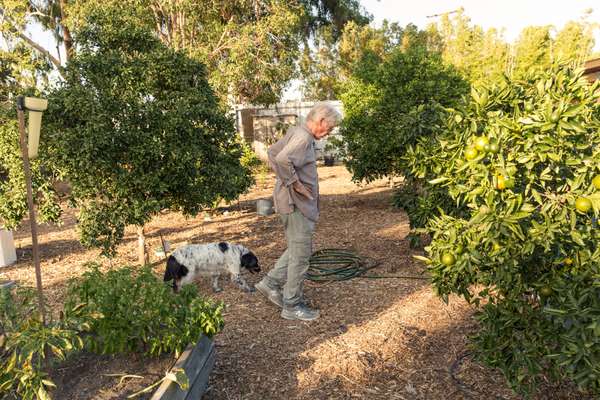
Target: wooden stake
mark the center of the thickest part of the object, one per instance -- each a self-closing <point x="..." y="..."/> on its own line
<point x="143" y="258"/>
<point x="32" y="221"/>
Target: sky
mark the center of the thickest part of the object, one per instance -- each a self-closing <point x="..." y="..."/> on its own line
<point x="511" y="16"/>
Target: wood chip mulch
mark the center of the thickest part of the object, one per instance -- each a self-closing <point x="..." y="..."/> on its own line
<point x="376" y="338"/>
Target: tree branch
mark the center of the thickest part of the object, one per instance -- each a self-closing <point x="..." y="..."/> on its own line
<point x="42" y="50"/>
<point x="33" y="44"/>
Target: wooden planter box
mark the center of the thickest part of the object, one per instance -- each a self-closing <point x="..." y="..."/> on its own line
<point x="7" y="285"/>
<point x="197" y="361"/>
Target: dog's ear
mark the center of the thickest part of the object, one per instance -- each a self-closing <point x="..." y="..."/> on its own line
<point x="223" y="247"/>
<point x="174" y="270"/>
<point x="250" y="262"/>
<point x="171" y="269"/>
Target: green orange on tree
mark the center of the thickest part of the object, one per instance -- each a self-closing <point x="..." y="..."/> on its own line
<point x="481" y="142"/>
<point x="583" y="204"/>
<point x="596" y="181"/>
<point x="568" y="261"/>
<point x="471" y="153"/>
<point x="504" y="182"/>
<point x="546" y="291"/>
<point x="494" y="148"/>
<point x="448" y="259"/>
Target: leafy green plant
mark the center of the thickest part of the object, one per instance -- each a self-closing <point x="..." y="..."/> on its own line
<point x="13" y="199"/>
<point x="389" y="107"/>
<point x="135" y="129"/>
<point x="28" y="347"/>
<point x="521" y="157"/>
<point x="141" y="313"/>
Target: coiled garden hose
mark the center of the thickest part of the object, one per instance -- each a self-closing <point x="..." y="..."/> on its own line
<point x="328" y="265"/>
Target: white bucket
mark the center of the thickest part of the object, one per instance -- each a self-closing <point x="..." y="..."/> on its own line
<point x="8" y="254"/>
<point x="264" y="207"/>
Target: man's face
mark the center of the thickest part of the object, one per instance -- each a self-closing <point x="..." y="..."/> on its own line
<point x="322" y="129"/>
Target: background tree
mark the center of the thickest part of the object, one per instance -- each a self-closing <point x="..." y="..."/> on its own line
<point x="328" y="64"/>
<point x="483" y="56"/>
<point x="136" y="129"/>
<point x="388" y="106"/>
<point x="533" y="49"/>
<point x="333" y="14"/>
<point x="480" y="55"/>
<point x="250" y="48"/>
<point x="575" y="42"/>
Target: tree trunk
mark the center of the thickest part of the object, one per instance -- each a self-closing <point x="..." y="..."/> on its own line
<point x="143" y="258"/>
<point x="67" y="38"/>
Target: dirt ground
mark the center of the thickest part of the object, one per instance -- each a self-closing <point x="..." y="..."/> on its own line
<point x="376" y="339"/>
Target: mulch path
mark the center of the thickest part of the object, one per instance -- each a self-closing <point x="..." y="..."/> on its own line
<point x="376" y="339"/>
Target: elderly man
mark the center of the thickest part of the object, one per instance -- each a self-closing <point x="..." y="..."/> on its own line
<point x="296" y="198"/>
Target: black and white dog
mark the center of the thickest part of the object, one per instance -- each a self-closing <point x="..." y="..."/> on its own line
<point x="192" y="261"/>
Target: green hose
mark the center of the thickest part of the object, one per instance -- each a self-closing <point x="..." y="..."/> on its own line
<point x="328" y="265"/>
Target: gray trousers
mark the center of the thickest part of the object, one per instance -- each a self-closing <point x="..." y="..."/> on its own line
<point x="291" y="267"/>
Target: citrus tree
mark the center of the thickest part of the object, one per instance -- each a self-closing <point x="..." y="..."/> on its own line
<point x="523" y="158"/>
<point x="136" y="129"/>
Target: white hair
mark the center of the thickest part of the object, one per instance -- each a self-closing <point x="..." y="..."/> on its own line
<point x="324" y="111"/>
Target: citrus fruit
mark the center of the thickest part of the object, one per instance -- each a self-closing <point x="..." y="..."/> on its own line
<point x="448" y="259"/>
<point x="528" y="107"/>
<point x="471" y="153"/>
<point x="583" y="204"/>
<point x="546" y="291"/>
<point x="596" y="181"/>
<point x="501" y="182"/>
<point x="494" y="148"/>
<point x="481" y="142"/>
<point x="459" y="249"/>
<point x="568" y="261"/>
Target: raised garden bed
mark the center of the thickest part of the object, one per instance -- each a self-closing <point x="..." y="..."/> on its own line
<point x="7" y="284"/>
<point x="197" y="361"/>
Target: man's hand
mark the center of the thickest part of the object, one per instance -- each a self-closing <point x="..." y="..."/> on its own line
<point x="302" y="190"/>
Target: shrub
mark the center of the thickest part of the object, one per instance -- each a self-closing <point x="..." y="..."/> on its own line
<point x="521" y="157"/>
<point x="141" y="313"/>
<point x="116" y="311"/>
<point x="390" y="106"/>
<point x="27" y="346"/>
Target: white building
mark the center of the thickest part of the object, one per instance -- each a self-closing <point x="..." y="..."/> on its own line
<point x="263" y="126"/>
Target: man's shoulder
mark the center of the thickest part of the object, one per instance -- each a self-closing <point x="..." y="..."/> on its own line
<point x="299" y="132"/>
